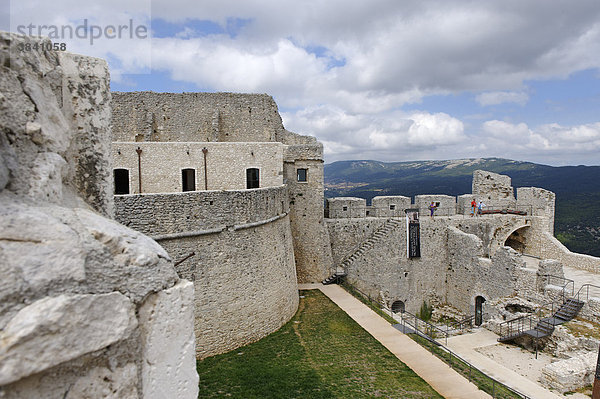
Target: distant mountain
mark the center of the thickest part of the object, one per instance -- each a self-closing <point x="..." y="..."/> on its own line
<point x="577" y="188"/>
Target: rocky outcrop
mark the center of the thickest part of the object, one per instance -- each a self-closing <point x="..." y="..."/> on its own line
<point x="87" y="305"/>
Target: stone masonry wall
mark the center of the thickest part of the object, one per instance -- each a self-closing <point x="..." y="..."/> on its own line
<point x="245" y="283"/>
<point x="161" y="164"/>
<point x="186" y="117"/>
<point x="312" y="251"/>
<point x="386" y="269"/>
<point x="454" y="250"/>
<point x="193" y="211"/>
<point x="346" y="207"/>
<point x="243" y="268"/>
<point x="67" y="272"/>
<point x="390" y="205"/>
<point x="346" y="235"/>
<point x="538" y="202"/>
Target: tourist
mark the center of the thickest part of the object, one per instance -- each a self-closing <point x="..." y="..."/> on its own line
<point x="480" y="207"/>
<point x="432" y="209"/>
<point x="473" y="206"/>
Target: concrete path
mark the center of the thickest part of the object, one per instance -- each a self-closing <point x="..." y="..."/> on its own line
<point x="465" y="346"/>
<point x="436" y="373"/>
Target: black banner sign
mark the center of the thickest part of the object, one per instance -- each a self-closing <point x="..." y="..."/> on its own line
<point x="413" y="233"/>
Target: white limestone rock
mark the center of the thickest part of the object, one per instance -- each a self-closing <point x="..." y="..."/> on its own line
<point x="102" y="382"/>
<point x="166" y="323"/>
<point x="570" y="374"/>
<point x="47" y="177"/>
<point x="57" y="329"/>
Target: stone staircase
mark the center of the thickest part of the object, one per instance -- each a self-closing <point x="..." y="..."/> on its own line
<point x="380" y="233"/>
<point x="544" y="327"/>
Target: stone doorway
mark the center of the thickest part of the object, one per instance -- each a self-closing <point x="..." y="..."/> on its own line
<point x="479" y="300"/>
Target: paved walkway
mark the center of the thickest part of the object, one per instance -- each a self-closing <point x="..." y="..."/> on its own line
<point x="465" y="346"/>
<point x="436" y="373"/>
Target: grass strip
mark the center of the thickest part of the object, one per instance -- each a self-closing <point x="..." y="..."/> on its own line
<point x="320" y="353"/>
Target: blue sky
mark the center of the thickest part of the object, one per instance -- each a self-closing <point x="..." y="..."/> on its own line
<point x="377" y="79"/>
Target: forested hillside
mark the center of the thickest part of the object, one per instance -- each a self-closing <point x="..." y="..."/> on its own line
<point x="577" y="188"/>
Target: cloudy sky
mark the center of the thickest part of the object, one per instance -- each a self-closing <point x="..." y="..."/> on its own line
<point x="388" y="80"/>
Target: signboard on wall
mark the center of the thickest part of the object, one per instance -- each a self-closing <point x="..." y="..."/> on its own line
<point x="413" y="234"/>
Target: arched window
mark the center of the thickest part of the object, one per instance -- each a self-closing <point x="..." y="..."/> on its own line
<point x="252" y="178"/>
<point x="188" y="180"/>
<point x="398" y="307"/>
<point x="121" y="177"/>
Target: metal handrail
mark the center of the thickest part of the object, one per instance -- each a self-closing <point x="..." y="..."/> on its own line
<point x="460" y="323"/>
<point x="471" y="367"/>
<point x="430" y="327"/>
<point x="564" y="280"/>
<point x="587" y="287"/>
<point x="452" y="353"/>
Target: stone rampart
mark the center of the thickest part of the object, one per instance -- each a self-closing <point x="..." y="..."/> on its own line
<point x="346" y="207"/>
<point x="244" y="280"/>
<point x="243" y="268"/>
<point x="192" y="211"/>
<point x="446" y="204"/>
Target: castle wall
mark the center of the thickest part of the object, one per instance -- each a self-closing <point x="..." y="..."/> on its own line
<point x="389" y="205"/>
<point x="447" y="204"/>
<point x="76" y="287"/>
<point x="346" y="207"/>
<point x="243" y="268"/>
<point x="538" y="202"/>
<point x="161" y="164"/>
<point x="469" y="274"/>
<point x="346" y="235"/>
<point x="385" y="270"/>
<point x="200" y="117"/>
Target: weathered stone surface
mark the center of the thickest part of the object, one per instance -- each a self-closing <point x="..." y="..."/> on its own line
<point x="70" y="280"/>
<point x="102" y="382"/>
<point x="168" y="345"/>
<point x="491" y="186"/>
<point x="54" y="330"/>
<point x="570" y="374"/>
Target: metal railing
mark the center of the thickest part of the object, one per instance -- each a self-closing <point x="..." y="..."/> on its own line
<point x="586" y="288"/>
<point x="455" y="361"/>
<point x="561" y="282"/>
<point x="460" y="324"/>
<point x="431" y="331"/>
<point x="458" y="363"/>
<point x="352" y="210"/>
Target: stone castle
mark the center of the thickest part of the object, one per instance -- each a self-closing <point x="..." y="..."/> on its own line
<point x="236" y="204"/>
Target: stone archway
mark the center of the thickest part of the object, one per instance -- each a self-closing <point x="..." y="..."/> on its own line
<point x="398" y="307"/>
<point x="517" y="240"/>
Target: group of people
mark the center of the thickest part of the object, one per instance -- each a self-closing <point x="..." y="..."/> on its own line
<point x="476" y="208"/>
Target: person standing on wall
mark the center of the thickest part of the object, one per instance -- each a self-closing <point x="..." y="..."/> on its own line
<point x="480" y="207"/>
<point x="432" y="208"/>
<point x="473" y="206"/>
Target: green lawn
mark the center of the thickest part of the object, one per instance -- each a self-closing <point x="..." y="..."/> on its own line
<point x="320" y="353"/>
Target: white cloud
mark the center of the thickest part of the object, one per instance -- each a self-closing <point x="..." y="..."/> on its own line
<point x="501" y="97"/>
<point x="392" y="135"/>
<point x="580" y="142"/>
<point x="394" y="54"/>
